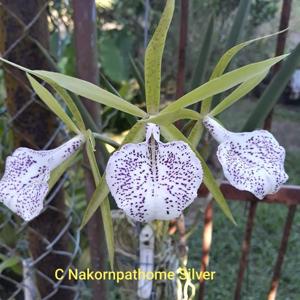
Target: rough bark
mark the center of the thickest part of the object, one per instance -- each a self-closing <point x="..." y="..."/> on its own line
<point x="35" y="125"/>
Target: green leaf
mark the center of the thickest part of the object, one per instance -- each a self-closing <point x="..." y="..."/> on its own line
<point x="153" y="58"/>
<point x="85" y="89"/>
<point x="104" y="206"/>
<point x="90" y="91"/>
<point x="52" y="103"/>
<point x="171" y="133"/>
<point x="15" y="65"/>
<point x="273" y="92"/>
<point x="60" y="170"/>
<point x="115" y="46"/>
<point x="201" y="67"/>
<point x="138" y="76"/>
<point x="168" y="118"/>
<point x="71" y="105"/>
<point x="135" y="135"/>
<point x="100" y="194"/>
<point x="225" y="61"/>
<point x="196" y="133"/>
<point x="223" y="83"/>
<point x="238" y="93"/>
<point x="108" y="85"/>
<point x="238" y="23"/>
<point x="9" y="262"/>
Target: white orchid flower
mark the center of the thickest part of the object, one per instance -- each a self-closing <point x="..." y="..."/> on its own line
<point x="251" y="161"/>
<point x="24" y="184"/>
<point x="154" y="180"/>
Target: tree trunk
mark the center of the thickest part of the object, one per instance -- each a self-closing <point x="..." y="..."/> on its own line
<point x="33" y="124"/>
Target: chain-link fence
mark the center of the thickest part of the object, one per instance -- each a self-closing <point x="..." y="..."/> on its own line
<point x="26" y="253"/>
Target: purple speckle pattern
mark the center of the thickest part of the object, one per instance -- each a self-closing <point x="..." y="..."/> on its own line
<point x="251" y="161"/>
<point x="154" y="180"/>
<point x="24" y="184"/>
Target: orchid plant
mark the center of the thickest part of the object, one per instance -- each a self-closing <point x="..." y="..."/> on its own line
<point x="150" y="179"/>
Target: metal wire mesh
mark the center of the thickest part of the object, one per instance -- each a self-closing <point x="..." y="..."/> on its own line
<point x="19" y="270"/>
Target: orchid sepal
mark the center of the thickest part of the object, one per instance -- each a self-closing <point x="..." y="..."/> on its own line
<point x="24" y="184"/>
<point x="251" y="161"/>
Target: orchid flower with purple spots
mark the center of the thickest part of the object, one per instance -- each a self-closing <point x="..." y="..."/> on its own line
<point x="24" y="184"/>
<point x="154" y="180"/>
<point x="251" y="161"/>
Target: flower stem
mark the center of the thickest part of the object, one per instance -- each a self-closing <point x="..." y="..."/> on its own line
<point x="106" y="140"/>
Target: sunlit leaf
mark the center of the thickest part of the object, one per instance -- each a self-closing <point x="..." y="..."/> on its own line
<point x="153" y="58"/>
<point x="167" y="118"/>
<point x="52" y="103"/>
<point x="225" y="61"/>
<point x="223" y="83"/>
<point x="91" y="91"/>
<point x="70" y="104"/>
<point x="238" y="93"/>
<point x="196" y="133"/>
<point x="104" y="206"/>
<point x="85" y="89"/>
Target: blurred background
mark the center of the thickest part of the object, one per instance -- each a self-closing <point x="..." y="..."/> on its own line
<point x="104" y="42"/>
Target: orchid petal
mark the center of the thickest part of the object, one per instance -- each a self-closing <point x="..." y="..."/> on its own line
<point x="154" y="180"/>
<point x="251" y="161"/>
<point x="24" y="184"/>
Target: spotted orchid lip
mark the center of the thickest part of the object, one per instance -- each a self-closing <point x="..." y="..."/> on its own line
<point x="251" y="161"/>
<point x="24" y="184"/>
<point x="153" y="180"/>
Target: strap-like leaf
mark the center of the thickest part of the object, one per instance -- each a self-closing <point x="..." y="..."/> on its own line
<point x="168" y="118"/>
<point x="104" y="206"/>
<point x="171" y="133"/>
<point x="204" y="55"/>
<point x="84" y="88"/>
<point x="238" y="93"/>
<point x="52" y="103"/>
<point x="225" y="61"/>
<point x="273" y="91"/>
<point x="71" y="105"/>
<point x="153" y="58"/>
<point x="138" y="76"/>
<point x="222" y="64"/>
<point x="91" y="91"/>
<point x="223" y="83"/>
<point x="196" y="134"/>
<point x="238" y="23"/>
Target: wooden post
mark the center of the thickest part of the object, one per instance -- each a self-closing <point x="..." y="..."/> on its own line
<point x="87" y="68"/>
<point x="245" y="250"/>
<point x="281" y="253"/>
<point x="206" y="245"/>
<point x="182" y="47"/>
